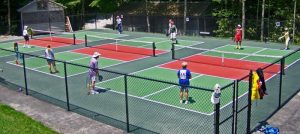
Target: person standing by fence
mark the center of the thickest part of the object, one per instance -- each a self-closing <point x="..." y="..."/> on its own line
<point x="16" y="49"/>
<point x="119" y="24"/>
<point x="26" y="37"/>
<point x="184" y="76"/>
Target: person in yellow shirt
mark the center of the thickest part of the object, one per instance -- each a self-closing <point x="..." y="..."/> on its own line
<point x="286" y="36"/>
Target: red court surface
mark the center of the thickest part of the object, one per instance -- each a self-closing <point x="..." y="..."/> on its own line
<point x="125" y="53"/>
<point x="232" y="63"/>
<point x="56" y="42"/>
<point x="213" y="70"/>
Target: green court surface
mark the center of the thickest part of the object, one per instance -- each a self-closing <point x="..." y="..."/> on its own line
<point x="9" y="46"/>
<point x="254" y="54"/>
<point x="40" y="64"/>
<point x="161" y="43"/>
<point x="167" y="94"/>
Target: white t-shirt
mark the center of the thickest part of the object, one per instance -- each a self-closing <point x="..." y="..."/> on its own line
<point x="25" y="32"/>
<point x="119" y="21"/>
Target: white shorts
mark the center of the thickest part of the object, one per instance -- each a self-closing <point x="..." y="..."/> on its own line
<point x="173" y="35"/>
<point x="93" y="78"/>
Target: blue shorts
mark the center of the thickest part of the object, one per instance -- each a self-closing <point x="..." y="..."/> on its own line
<point x="184" y="87"/>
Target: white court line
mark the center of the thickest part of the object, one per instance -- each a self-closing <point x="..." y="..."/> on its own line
<point x="62" y="63"/>
<point x="194" y="111"/>
<point x="35" y="70"/>
<point x="266" y="81"/>
<point x="167" y="88"/>
<point x="253" y="54"/>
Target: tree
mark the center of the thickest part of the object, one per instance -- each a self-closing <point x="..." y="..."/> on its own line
<point x="262" y="21"/>
<point x="294" y="23"/>
<point x="184" y="16"/>
<point x="8" y="17"/>
<point x="243" y="18"/>
<point x="147" y="13"/>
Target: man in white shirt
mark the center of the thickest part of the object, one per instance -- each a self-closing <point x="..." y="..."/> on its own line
<point x="26" y="37"/>
<point x="119" y="24"/>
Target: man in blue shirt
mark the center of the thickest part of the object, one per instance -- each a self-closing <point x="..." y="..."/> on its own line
<point x="184" y="76"/>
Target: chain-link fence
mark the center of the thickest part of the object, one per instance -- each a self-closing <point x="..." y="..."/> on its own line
<point x="132" y="102"/>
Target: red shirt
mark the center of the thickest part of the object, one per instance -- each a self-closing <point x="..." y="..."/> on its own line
<point x="238" y="32"/>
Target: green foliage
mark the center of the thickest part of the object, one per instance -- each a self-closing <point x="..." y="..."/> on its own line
<point x="224" y="23"/>
<point x="106" y="5"/>
<point x="13" y="122"/>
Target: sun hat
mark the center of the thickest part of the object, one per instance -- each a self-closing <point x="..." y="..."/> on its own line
<point x="96" y="54"/>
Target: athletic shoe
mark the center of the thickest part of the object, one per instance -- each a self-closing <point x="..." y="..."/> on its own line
<point x="24" y="46"/>
<point x="180" y="101"/>
<point x="94" y="92"/>
<point x="28" y="46"/>
<point x="186" y="102"/>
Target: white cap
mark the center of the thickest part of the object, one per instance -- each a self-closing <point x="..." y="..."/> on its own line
<point x="96" y="54"/>
<point x="25" y="27"/>
<point x="217" y="88"/>
<point x="239" y="25"/>
<point x="286" y="29"/>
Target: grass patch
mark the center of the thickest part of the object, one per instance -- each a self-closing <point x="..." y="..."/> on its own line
<point x="14" y="122"/>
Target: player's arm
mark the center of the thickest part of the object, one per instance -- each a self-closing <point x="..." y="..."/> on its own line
<point x="178" y="74"/>
<point x="189" y="75"/>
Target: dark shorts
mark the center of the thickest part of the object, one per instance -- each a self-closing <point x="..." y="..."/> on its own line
<point x="184" y="87"/>
<point x="50" y="61"/>
<point x="26" y="37"/>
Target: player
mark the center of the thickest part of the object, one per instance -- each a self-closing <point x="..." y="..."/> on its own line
<point x="184" y="76"/>
<point x="169" y="27"/>
<point x="173" y="32"/>
<point x="49" y="55"/>
<point x="238" y="37"/>
<point x="93" y="73"/>
<point x="26" y="37"/>
<point x="286" y="35"/>
<point x="16" y="49"/>
<point x="119" y="24"/>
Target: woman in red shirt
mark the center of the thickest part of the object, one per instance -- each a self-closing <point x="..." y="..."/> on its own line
<point x="238" y="37"/>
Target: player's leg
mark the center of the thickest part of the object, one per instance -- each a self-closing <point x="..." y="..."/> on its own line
<point x="93" y="90"/>
<point x="49" y="66"/>
<point x="181" y="94"/>
<point x="186" y="95"/>
<point x="54" y="66"/>
<point x="240" y="44"/>
<point x="286" y="43"/>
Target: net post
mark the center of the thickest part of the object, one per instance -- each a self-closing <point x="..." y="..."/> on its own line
<point x="173" y="51"/>
<point x="217" y="118"/>
<point x="66" y="84"/>
<point x="282" y="63"/>
<point x="249" y="103"/>
<point x="126" y="102"/>
<point x="236" y="105"/>
<point x="74" y="39"/>
<point x="153" y="48"/>
<point x="85" y="40"/>
<point x="25" y="76"/>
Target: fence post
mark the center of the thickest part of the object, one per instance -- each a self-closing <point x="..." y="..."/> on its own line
<point x="249" y="103"/>
<point x="66" y="83"/>
<point x="233" y="109"/>
<point x="280" y="81"/>
<point x="126" y="102"/>
<point x="154" y="47"/>
<point x="85" y="40"/>
<point x="236" y="105"/>
<point x="74" y="39"/>
<point x="217" y="119"/>
<point x="173" y="51"/>
<point x="25" y="76"/>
